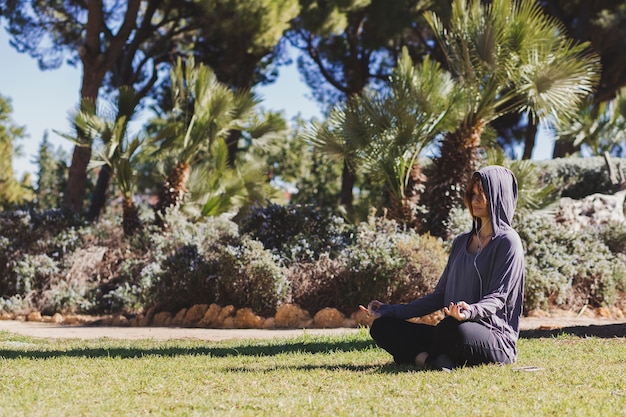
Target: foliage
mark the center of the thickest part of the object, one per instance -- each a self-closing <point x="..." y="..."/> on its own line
<point x="306" y="175"/>
<point x="239" y="39"/>
<point x="384" y="262"/>
<point x="349" y="45"/>
<point x="509" y="57"/>
<point x="249" y="276"/>
<point x="383" y="135"/>
<point x="186" y="278"/>
<point x="576" y="177"/>
<point x="566" y="268"/>
<point x="52" y="175"/>
<point x="597" y="127"/>
<point x="12" y="193"/>
<point x="297" y="233"/>
<point x="613" y="235"/>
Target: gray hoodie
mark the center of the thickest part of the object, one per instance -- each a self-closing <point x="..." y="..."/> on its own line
<point x="492" y="281"/>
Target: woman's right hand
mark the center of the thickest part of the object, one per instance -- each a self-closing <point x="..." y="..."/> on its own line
<point x="372" y="308"/>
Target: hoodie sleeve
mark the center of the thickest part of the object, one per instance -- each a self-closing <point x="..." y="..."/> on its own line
<point x="507" y="273"/>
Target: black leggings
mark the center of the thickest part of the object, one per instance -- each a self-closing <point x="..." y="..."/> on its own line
<point x="464" y="342"/>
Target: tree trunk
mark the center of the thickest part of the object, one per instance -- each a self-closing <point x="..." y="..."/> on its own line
<point x="98" y="198"/>
<point x="97" y="61"/>
<point x="131" y="222"/>
<point x="529" y="142"/>
<point x="564" y="148"/>
<point x="172" y="191"/>
<point x="347" y="183"/>
<point x="445" y="186"/>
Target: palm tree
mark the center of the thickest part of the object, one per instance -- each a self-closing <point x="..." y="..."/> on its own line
<point x="383" y="135"/>
<point x="509" y="57"/>
<point x="599" y="126"/>
<point x="116" y="151"/>
<point x="215" y="187"/>
<point x="204" y="110"/>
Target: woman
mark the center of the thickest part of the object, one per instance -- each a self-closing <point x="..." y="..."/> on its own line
<point x="480" y="290"/>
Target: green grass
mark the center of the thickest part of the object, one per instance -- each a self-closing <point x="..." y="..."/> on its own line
<point x="309" y="375"/>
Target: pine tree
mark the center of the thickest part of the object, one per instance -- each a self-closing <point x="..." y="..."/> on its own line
<point x="51" y="175"/>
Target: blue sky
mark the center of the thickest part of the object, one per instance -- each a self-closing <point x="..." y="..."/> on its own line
<point x="43" y="100"/>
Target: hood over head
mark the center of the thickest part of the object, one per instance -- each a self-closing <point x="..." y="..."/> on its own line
<point x="500" y="186"/>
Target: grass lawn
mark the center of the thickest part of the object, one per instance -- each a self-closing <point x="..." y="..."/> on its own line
<point x="306" y="376"/>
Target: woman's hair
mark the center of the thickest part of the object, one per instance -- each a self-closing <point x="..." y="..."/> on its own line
<point x="469" y="190"/>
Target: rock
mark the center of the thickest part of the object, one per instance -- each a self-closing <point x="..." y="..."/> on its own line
<point x="211" y="316"/>
<point x="228" y="323"/>
<point x="290" y="316"/>
<point x="538" y="313"/>
<point x="328" y="318"/>
<point x="246" y="319"/>
<point x="604" y="312"/>
<point x="178" y="318"/>
<point x="57" y="318"/>
<point x="119" y="320"/>
<point x="34" y="316"/>
<point x="162" y="318"/>
<point x="146" y="319"/>
<point x="225" y="313"/>
<point x="194" y="315"/>
<point x="593" y="210"/>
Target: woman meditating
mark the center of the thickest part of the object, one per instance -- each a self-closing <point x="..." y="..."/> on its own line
<point x="480" y="290"/>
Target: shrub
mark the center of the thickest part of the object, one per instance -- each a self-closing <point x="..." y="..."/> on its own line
<point x="297" y="233"/>
<point x="613" y="234"/>
<point x="384" y="262"/>
<point x="186" y="278"/>
<point x="249" y="276"/>
<point x="175" y="270"/>
<point x="577" y="177"/>
<point x="567" y="268"/>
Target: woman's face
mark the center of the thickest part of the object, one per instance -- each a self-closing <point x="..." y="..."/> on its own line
<point x="479" y="202"/>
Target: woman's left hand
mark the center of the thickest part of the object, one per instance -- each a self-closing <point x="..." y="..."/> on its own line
<point x="457" y="310"/>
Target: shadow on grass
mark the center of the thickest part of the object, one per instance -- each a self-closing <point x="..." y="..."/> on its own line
<point x="388" y="368"/>
<point x="250" y="348"/>
<point x="601" y="331"/>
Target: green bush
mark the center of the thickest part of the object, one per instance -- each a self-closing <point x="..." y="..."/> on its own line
<point x="567" y="268"/>
<point x="385" y="262"/>
<point x="577" y="177"/>
<point x="176" y="270"/>
<point x="186" y="278"/>
<point x="297" y="233"/>
<point x="249" y="276"/>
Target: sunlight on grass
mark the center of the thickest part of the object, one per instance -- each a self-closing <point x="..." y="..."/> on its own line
<point x="321" y="375"/>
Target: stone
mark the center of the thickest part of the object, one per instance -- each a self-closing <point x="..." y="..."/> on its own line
<point x="194" y="315"/>
<point x="290" y="316"/>
<point x="162" y="319"/>
<point x="57" y="318"/>
<point x="34" y="316"/>
<point x="246" y="319"/>
<point x="179" y="317"/>
<point x="328" y="318"/>
<point x="211" y="316"/>
<point x="225" y="313"/>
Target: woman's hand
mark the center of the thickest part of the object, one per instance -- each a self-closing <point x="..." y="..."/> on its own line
<point x="457" y="310"/>
<point x="372" y="308"/>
